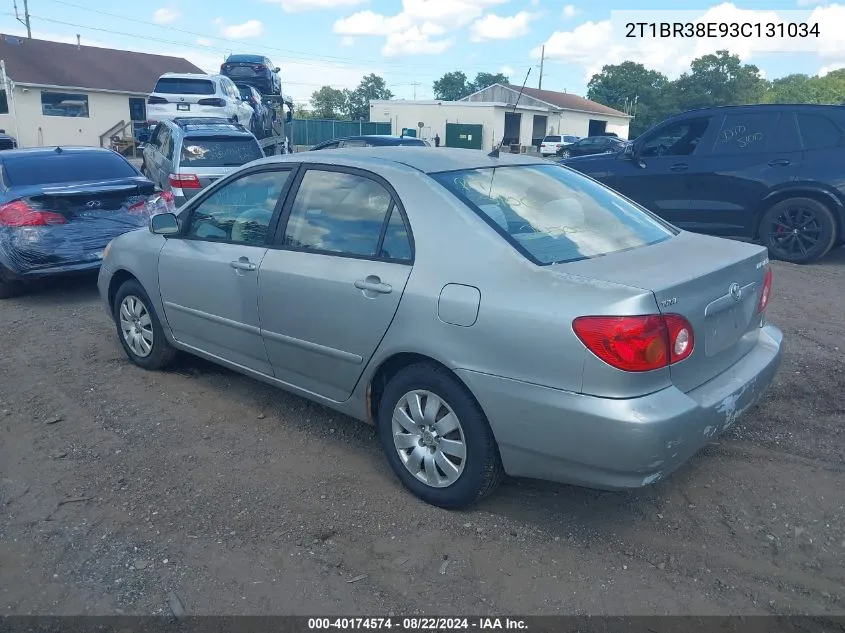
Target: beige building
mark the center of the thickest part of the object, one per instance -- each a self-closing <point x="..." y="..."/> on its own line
<point x="487" y="117"/>
<point x="65" y="94"/>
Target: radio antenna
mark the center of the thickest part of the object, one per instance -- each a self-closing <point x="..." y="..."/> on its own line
<point x="495" y="152"/>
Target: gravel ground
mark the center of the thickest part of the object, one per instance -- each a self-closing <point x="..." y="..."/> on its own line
<point x="122" y="489"/>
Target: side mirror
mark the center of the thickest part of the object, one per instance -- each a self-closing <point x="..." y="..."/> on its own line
<point x="276" y="69"/>
<point x="164" y="224"/>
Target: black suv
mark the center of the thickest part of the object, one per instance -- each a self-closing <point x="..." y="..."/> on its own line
<point x="767" y="172"/>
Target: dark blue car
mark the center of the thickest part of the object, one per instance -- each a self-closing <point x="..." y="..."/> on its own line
<point x="254" y="70"/>
<point x="60" y="207"/>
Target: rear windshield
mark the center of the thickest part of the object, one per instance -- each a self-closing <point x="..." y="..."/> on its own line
<point x="552" y="139"/>
<point x="553" y="215"/>
<point x="219" y="152"/>
<point x="64" y="168"/>
<point x="176" y="86"/>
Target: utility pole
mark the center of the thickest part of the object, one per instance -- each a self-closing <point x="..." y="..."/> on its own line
<point x="25" y="20"/>
<point x="415" y="84"/>
<point x="542" y="59"/>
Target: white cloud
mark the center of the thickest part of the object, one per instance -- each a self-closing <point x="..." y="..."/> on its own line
<point x="204" y="41"/>
<point x="250" y="28"/>
<point x="810" y="3"/>
<point x="507" y="71"/>
<point x="298" y="6"/>
<point x="166" y="15"/>
<point x="495" y="27"/>
<point x="593" y="44"/>
<point x="824" y="70"/>
<point x="570" y="11"/>
<point x="347" y="41"/>
<point x="411" y="31"/>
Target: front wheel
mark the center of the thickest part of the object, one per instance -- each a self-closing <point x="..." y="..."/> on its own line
<point x="437" y="439"/>
<point x="564" y="154"/>
<point x="798" y="230"/>
<point x="139" y="328"/>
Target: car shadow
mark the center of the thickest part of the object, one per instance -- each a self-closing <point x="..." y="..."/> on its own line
<point x="71" y="289"/>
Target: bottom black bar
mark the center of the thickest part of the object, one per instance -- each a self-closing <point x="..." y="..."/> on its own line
<point x="421" y="624"/>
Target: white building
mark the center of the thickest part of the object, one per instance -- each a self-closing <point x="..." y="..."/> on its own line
<point x="537" y="114"/>
<point x="66" y="94"/>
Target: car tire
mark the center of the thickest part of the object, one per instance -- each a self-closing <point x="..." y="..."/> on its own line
<point x="780" y="225"/>
<point x="160" y="353"/>
<point x="9" y="289"/>
<point x="416" y="448"/>
<point x="564" y="154"/>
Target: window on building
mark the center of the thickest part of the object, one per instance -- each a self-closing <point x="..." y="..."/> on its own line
<point x="4" y="103"/>
<point x="64" y="104"/>
<point x="137" y="109"/>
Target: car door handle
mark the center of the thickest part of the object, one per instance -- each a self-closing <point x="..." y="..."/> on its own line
<point x="778" y="162"/>
<point x="242" y="264"/>
<point x="679" y="167"/>
<point x="373" y="286"/>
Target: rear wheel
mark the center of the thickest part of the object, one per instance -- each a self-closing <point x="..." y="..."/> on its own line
<point x="564" y="154"/>
<point x="139" y="328"/>
<point x="437" y="439"/>
<point x="798" y="230"/>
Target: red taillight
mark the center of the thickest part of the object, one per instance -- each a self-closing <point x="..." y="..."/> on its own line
<point x="217" y="103"/>
<point x="154" y="100"/>
<point x="19" y="213"/>
<point x="184" y="181"/>
<point x="637" y="343"/>
<point x="766" y="293"/>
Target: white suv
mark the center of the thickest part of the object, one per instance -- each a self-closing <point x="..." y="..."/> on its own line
<point x="551" y="144"/>
<point x="195" y="95"/>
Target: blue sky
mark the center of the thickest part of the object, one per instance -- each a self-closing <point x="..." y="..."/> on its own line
<point x="335" y="42"/>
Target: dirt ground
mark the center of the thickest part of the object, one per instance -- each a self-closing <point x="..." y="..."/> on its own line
<point x="121" y="489"/>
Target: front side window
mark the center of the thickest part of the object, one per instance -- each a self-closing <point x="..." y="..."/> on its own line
<point x="239" y="211"/>
<point x="553" y="215"/>
<point x="64" y="104"/>
<point x="338" y="212"/>
<point x="678" y="139"/>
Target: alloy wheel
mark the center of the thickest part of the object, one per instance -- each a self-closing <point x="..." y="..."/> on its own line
<point x="795" y="231"/>
<point x="429" y="439"/>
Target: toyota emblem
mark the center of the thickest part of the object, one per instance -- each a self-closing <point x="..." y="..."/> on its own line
<point x="735" y="291"/>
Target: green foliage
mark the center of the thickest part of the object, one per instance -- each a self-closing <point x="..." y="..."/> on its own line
<point x="454" y="85"/>
<point x="332" y="103"/>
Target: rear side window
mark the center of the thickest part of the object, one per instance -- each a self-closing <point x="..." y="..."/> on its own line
<point x="65" y="168"/>
<point x="818" y="132"/>
<point x="552" y="139"/>
<point x="746" y="133"/>
<point x="219" y="152"/>
<point x="552" y="215"/>
<point x="176" y="86"/>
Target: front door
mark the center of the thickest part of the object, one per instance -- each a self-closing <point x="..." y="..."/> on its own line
<point x="208" y="276"/>
<point x="657" y="177"/>
<point x="329" y="290"/>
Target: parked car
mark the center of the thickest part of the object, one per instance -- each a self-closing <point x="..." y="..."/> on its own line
<point x="7" y="142"/>
<point x="197" y="95"/>
<point x="262" y="117"/>
<point x="763" y="172"/>
<point x="371" y="140"/>
<point x="186" y="155"/>
<point x="541" y="333"/>
<point x="552" y="143"/>
<point x="591" y="145"/>
<point x="255" y="70"/>
<point x="60" y="206"/>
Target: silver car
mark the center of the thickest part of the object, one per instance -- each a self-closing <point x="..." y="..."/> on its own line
<point x="489" y="315"/>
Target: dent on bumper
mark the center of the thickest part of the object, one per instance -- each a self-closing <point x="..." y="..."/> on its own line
<point x="611" y="444"/>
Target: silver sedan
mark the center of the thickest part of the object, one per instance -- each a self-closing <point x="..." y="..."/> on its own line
<point x="489" y="315"/>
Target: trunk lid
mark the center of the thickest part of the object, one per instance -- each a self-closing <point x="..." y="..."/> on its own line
<point x="714" y="283"/>
<point x="95" y="200"/>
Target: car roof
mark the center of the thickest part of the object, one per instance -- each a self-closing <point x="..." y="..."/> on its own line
<point x="763" y="106"/>
<point x="244" y="58"/>
<point x="420" y="158"/>
<point x="187" y="76"/>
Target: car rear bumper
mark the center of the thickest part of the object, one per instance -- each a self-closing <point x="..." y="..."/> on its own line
<point x="609" y="444"/>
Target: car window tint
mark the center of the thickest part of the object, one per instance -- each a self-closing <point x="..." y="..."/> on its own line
<point x="818" y="132"/>
<point x="239" y="211"/>
<point x="785" y="137"/>
<point x="745" y="133"/>
<point x="42" y="169"/>
<point x="219" y="151"/>
<point x="167" y="144"/>
<point x="179" y="86"/>
<point x="396" y="243"/>
<point x="678" y="139"/>
<point x="552" y="139"/>
<point x="337" y="212"/>
<point x="553" y="215"/>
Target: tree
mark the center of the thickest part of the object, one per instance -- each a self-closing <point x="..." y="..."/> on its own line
<point x="830" y="88"/>
<point x="329" y="103"/>
<point x="358" y="101"/>
<point x="719" y="79"/>
<point x="452" y="86"/>
<point x="633" y="88"/>
<point x="795" y="88"/>
<point x="483" y="80"/>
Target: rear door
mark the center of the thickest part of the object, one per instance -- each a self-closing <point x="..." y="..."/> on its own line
<point x="208" y="276"/>
<point x="754" y="152"/>
<point x="330" y="286"/>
